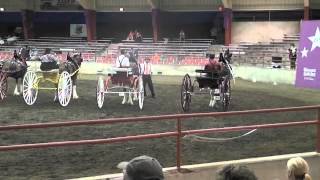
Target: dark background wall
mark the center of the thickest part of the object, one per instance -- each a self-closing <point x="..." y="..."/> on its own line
<point x="8" y="22"/>
<point x="194" y="24"/>
<point x="56" y="23"/>
<point x="118" y="24"/>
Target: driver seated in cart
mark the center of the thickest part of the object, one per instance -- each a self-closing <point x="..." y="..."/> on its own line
<point x="48" y="61"/>
<point x="211" y="78"/>
<point x="212" y="70"/>
<point x="122" y="67"/>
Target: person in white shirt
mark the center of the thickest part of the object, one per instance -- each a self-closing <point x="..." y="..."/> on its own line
<point x="122" y="60"/>
<point x="146" y="71"/>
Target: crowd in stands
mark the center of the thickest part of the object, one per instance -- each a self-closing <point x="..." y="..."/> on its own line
<point x="149" y="168"/>
<point x="134" y="36"/>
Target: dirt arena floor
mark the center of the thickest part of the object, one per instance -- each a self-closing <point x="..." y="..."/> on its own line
<point x="80" y="161"/>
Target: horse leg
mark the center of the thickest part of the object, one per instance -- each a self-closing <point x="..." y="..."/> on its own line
<point x="130" y="98"/>
<point x="135" y="87"/>
<point x="55" y="99"/>
<point x="212" y="100"/>
<point x="16" y="91"/>
<point x="21" y="86"/>
<point x="74" y="88"/>
<point x="124" y="100"/>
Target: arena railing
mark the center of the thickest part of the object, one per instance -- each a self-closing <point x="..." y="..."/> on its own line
<point x="179" y="133"/>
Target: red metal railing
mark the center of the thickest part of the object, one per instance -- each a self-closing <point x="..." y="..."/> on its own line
<point x="179" y="133"/>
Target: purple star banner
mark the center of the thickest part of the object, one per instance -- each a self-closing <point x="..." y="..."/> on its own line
<point x="308" y="55"/>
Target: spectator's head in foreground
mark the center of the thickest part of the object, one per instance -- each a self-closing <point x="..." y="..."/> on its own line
<point x="142" y="168"/>
<point x="298" y="169"/>
<point x="231" y="172"/>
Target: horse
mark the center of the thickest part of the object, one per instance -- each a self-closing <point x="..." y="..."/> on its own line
<point x="15" y="68"/>
<point x="72" y="66"/>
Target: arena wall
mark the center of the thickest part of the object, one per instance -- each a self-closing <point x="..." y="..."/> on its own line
<point x="251" y="73"/>
<point x="266" y="168"/>
<point x="262" y="31"/>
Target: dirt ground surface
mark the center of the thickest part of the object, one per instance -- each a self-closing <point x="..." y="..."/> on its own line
<point x="80" y="161"/>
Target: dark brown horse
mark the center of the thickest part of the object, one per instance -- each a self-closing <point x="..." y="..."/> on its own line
<point x="15" y="68"/>
<point x="72" y="66"/>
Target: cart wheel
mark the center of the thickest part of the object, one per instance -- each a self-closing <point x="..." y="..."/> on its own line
<point x="64" y="88"/>
<point x="3" y="85"/>
<point x="141" y="93"/>
<point x="186" y="89"/>
<point x="30" y="87"/>
<point x="100" y="92"/>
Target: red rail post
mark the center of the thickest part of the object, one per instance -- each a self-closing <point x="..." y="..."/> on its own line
<point x="178" y="158"/>
<point x="318" y="132"/>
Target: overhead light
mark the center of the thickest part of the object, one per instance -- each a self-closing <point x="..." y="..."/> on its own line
<point x="121" y="9"/>
<point x="1" y="9"/>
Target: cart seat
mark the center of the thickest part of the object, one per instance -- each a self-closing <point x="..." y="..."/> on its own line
<point x="121" y="76"/>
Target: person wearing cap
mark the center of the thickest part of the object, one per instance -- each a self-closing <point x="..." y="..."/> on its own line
<point x="232" y="172"/>
<point x="142" y="168"/>
<point x="146" y="71"/>
<point x="48" y="61"/>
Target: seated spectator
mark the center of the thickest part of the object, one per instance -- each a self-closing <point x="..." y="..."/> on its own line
<point x="130" y="36"/>
<point x="138" y="37"/>
<point x="182" y="35"/>
<point x="231" y="172"/>
<point x="298" y="169"/>
<point x="142" y="168"/>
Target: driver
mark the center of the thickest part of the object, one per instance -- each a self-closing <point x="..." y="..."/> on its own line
<point x="122" y="60"/>
<point x="48" y="61"/>
<point x="213" y="65"/>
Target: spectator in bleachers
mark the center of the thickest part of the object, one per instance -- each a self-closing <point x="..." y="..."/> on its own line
<point x="130" y="36"/>
<point x="48" y="61"/>
<point x="298" y="169"/>
<point x="292" y="56"/>
<point x="182" y="35"/>
<point x="146" y="71"/>
<point x="138" y="37"/>
<point x="231" y="172"/>
<point x="213" y="34"/>
<point x="142" y="168"/>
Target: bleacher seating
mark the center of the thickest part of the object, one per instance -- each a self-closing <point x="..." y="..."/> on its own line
<point x="188" y="52"/>
<point x="261" y="54"/>
<point x="60" y="44"/>
<point x="164" y="52"/>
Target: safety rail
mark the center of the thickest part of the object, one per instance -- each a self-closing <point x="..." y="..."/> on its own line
<point x="179" y="133"/>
